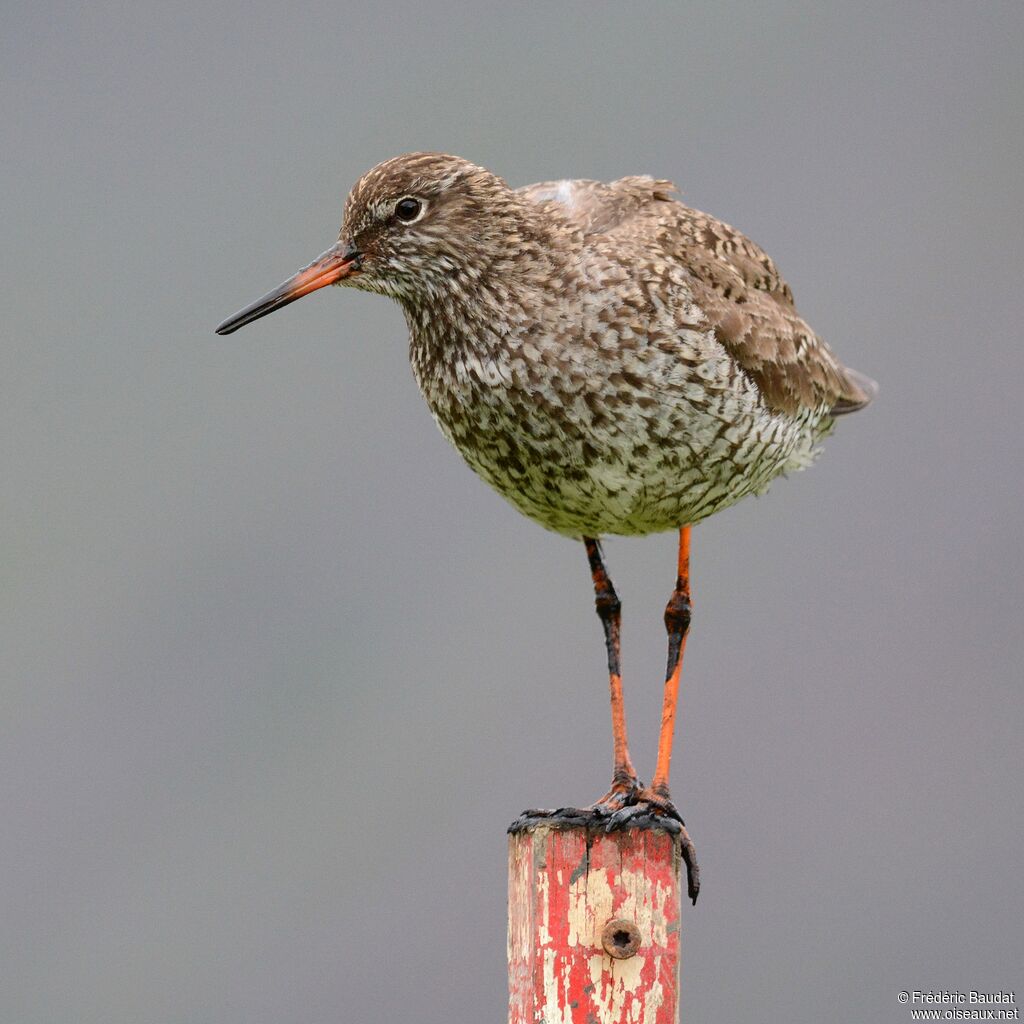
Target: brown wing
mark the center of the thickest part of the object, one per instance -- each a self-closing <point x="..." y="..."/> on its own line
<point x="733" y="280"/>
<point x="742" y="292"/>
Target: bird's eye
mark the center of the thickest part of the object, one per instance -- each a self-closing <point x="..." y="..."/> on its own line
<point x="408" y="209"/>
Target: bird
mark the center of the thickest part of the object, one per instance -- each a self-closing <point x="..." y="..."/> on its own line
<point x="611" y="361"/>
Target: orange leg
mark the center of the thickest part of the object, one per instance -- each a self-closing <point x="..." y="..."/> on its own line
<point x="677" y="623"/>
<point x="628" y="804"/>
<point x="624" y="781"/>
<point x="654" y="802"/>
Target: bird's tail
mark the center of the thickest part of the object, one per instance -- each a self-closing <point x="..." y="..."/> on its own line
<point x="861" y="392"/>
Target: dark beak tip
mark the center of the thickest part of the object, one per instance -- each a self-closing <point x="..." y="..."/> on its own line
<point x="328" y="268"/>
<point x="232" y="324"/>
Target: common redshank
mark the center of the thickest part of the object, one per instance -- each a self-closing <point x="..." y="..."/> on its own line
<point x="606" y="358"/>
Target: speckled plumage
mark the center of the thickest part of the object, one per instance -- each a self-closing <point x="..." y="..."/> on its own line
<point x="608" y="359"/>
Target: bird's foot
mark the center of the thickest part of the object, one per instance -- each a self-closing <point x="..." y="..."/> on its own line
<point x="652" y="808"/>
<point x="624" y="806"/>
<point x="624" y="793"/>
<point x="643" y="802"/>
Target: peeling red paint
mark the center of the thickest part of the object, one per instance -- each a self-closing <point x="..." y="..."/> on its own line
<point x="565" y="884"/>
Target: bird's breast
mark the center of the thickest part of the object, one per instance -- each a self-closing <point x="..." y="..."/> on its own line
<point x="631" y="433"/>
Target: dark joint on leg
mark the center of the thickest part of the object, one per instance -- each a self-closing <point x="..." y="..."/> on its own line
<point x="677" y="622"/>
<point x="607" y="603"/>
<point x="605" y="599"/>
<point x="609" y="608"/>
<point x="677" y="611"/>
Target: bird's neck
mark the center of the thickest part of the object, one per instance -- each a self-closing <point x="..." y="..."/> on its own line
<point x="499" y="293"/>
<point x="464" y="320"/>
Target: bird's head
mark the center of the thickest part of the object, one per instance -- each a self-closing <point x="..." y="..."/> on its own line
<point x="415" y="227"/>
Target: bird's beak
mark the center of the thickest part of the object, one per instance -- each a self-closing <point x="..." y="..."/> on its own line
<point x="340" y="261"/>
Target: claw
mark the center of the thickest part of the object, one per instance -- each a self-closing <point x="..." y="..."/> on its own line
<point x="650" y="806"/>
<point x="689" y="855"/>
<point x="619" y="797"/>
<point x="654" y="812"/>
<point x="644" y="803"/>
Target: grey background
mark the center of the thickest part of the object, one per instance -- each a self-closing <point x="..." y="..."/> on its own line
<point x="277" y="669"/>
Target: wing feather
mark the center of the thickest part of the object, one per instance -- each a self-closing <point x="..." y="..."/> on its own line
<point x="740" y="289"/>
<point x="734" y="281"/>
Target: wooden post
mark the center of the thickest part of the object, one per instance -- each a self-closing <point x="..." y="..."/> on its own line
<point x="593" y="930"/>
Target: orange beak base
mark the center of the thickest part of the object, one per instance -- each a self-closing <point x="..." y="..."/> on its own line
<point x="338" y="262"/>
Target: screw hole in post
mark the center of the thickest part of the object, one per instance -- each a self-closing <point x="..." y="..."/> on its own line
<point x="620" y="939"/>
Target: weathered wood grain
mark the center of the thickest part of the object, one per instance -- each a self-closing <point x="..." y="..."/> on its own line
<point x="565" y="886"/>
